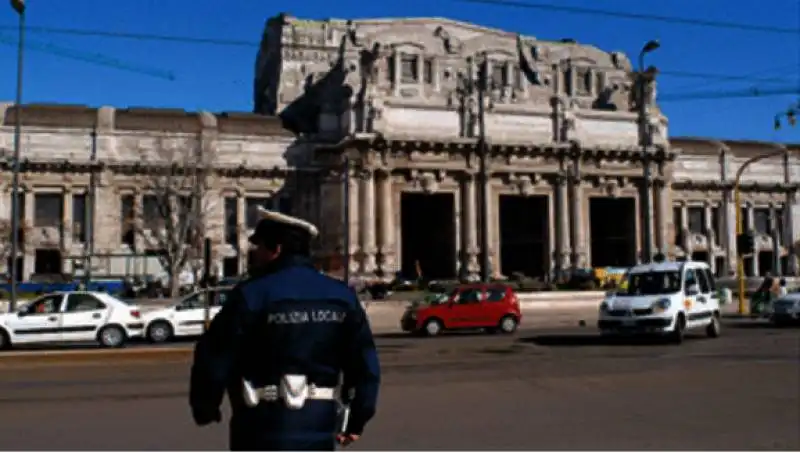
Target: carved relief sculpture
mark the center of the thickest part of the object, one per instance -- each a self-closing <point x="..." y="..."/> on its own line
<point x="452" y="45"/>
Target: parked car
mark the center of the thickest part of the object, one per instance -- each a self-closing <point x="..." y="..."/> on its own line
<point x="74" y="316"/>
<point x="186" y="318"/>
<point x="491" y="306"/>
<point x="665" y="298"/>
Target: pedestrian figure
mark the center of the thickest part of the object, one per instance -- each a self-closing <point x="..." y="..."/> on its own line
<point x="281" y="345"/>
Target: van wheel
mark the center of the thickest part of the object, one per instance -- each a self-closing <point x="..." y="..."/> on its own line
<point x="111" y="337"/>
<point x="678" y="333"/>
<point x="433" y="327"/>
<point x="714" y="328"/>
<point x="508" y="324"/>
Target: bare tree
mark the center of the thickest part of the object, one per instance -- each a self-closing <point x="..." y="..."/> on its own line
<point x="173" y="217"/>
<point x="6" y="235"/>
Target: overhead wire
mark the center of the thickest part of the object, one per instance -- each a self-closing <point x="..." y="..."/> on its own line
<point x="637" y="16"/>
<point x="195" y="40"/>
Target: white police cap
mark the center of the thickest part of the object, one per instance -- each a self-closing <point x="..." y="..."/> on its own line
<point x="269" y="221"/>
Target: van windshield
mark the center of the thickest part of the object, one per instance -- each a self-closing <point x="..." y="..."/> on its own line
<point x="651" y="283"/>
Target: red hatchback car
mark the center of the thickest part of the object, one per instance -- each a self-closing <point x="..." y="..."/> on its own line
<point x="492" y="306"/>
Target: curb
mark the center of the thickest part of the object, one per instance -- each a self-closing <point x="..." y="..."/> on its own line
<point x="94" y="356"/>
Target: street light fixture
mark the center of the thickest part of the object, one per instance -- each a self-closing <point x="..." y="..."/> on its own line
<point x="650" y="46"/>
<point x="19" y="7"/>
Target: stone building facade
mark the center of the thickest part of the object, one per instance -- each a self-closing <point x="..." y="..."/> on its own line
<point x="398" y="98"/>
<point x="396" y="101"/>
<point x="248" y="155"/>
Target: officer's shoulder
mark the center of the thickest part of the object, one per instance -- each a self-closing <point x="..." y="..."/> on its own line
<point x="339" y="286"/>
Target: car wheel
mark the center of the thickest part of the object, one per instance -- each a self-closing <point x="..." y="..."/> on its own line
<point x="5" y="341"/>
<point x="433" y="327"/>
<point x="678" y="332"/>
<point x="111" y="337"/>
<point x="714" y="328"/>
<point x="508" y="324"/>
<point x="159" y="332"/>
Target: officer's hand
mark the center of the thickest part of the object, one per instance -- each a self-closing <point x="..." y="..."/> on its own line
<point x="346" y="439"/>
<point x="203" y="417"/>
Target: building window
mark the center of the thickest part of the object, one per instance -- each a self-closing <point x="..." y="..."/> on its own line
<point x="568" y="86"/>
<point x="780" y="226"/>
<point x="250" y="205"/>
<point x="677" y="221"/>
<point x="499" y="74"/>
<point x="716" y="224"/>
<point x="127" y="217"/>
<point x="408" y="69"/>
<point x="584" y="81"/>
<point x="517" y="76"/>
<point x="231" y="220"/>
<point x="79" y="211"/>
<point x="151" y="211"/>
<point x="230" y="266"/>
<point x="697" y="220"/>
<point x="390" y="68"/>
<point x="47" y="262"/>
<point x="427" y="70"/>
<point x="48" y="210"/>
<point x="761" y="220"/>
<point x="599" y="82"/>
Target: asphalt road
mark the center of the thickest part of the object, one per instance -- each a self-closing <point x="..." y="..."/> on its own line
<point x="562" y="389"/>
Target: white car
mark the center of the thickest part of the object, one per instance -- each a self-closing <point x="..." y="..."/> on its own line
<point x="666" y="298"/>
<point x="75" y="316"/>
<point x="786" y="309"/>
<point x="186" y="318"/>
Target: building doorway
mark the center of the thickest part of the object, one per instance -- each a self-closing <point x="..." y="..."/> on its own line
<point x="428" y="235"/>
<point x="613" y="231"/>
<point x="524" y="235"/>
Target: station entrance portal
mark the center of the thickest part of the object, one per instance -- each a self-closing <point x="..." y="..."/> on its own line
<point x="428" y="235"/>
<point x="524" y="235"/>
<point x="613" y="231"/>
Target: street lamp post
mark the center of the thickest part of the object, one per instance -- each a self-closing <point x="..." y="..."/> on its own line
<point x="19" y="7"/>
<point x="478" y="84"/>
<point x="650" y="46"/>
<point x="737" y="200"/>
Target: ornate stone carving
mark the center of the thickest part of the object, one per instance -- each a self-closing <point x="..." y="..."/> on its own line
<point x="452" y="45"/>
<point x="620" y="61"/>
<point x="428" y="182"/>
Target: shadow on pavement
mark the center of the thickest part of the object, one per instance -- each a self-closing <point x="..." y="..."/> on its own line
<point x="577" y="340"/>
<point x="756" y="324"/>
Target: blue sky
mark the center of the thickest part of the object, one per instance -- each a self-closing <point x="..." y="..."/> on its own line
<point x="218" y="78"/>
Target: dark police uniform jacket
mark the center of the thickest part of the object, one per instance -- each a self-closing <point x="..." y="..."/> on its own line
<point x="289" y="319"/>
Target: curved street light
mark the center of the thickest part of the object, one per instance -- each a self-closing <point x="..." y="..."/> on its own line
<point x="649" y="46"/>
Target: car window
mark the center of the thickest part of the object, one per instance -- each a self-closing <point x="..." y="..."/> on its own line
<point x="83" y="302"/>
<point x="469" y="296"/>
<point x="690" y="279"/>
<point x="193" y="301"/>
<point x="702" y="280"/>
<point x="218" y="297"/>
<point x="45" y="305"/>
<point x="495" y="294"/>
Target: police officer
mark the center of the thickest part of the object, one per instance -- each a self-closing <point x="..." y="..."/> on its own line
<point x="281" y="345"/>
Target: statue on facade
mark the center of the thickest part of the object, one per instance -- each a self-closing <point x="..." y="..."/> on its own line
<point x="648" y="81"/>
<point x="452" y="45"/>
<point x="529" y="54"/>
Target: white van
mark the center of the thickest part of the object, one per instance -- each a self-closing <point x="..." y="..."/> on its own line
<point x="667" y="298"/>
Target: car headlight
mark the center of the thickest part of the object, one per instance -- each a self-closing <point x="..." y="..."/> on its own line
<point x="661" y="305"/>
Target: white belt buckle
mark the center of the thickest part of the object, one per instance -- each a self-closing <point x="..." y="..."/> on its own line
<point x="294" y="390"/>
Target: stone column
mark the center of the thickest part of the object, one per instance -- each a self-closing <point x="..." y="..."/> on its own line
<point x="355" y="221"/>
<point x="664" y="209"/>
<point x="66" y="226"/>
<point x="791" y="215"/>
<point x="754" y="268"/>
<point x="386" y="216"/>
<point x="729" y="241"/>
<point x="578" y="258"/>
<point x="562" y="224"/>
<point x="469" y="224"/>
